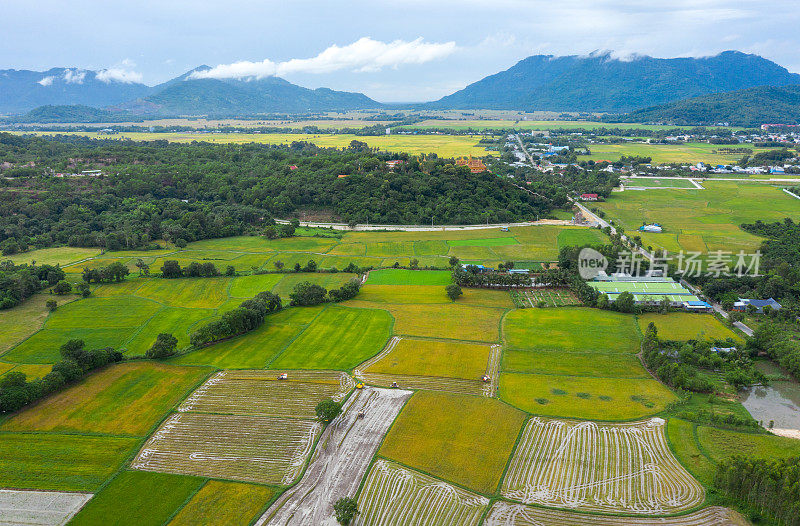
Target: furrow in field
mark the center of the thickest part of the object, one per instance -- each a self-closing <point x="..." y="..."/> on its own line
<point x="394" y="495"/>
<point x="508" y="514"/>
<point x="599" y="467"/>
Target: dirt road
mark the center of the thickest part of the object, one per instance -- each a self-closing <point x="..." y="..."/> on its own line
<point x="340" y="461"/>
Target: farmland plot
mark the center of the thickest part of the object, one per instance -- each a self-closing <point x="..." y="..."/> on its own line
<point x="46" y="508"/>
<point x="507" y="514"/>
<point x="371" y="372"/>
<point x="393" y="495"/>
<point x="264" y="450"/>
<point x="341" y="459"/>
<point x="599" y="467"/>
<point x="259" y="392"/>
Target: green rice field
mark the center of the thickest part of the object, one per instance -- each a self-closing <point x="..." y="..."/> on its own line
<point x="701" y="220"/>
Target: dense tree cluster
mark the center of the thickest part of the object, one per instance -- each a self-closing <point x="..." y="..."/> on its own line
<point x="779" y="344"/>
<point x="249" y="315"/>
<point x="681" y="364"/>
<point x="16" y="392"/>
<point x="18" y="282"/>
<point x="779" y="272"/>
<point x="771" y="486"/>
<point x="172" y="269"/>
<point x="113" y="273"/>
<point x="158" y="190"/>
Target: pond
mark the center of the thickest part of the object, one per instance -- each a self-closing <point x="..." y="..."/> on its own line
<point x="778" y="401"/>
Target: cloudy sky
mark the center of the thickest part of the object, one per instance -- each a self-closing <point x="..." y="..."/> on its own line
<point x="391" y="50"/>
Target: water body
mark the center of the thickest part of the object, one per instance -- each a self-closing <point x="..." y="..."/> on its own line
<point x="778" y="401"/>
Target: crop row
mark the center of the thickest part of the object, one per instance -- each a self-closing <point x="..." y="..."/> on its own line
<point x="262" y="393"/>
<point x="507" y="514"/>
<point x="265" y="450"/>
<point x="393" y="494"/>
<point x="599" y="467"/>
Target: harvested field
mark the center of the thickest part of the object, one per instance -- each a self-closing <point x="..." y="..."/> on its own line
<point x="393" y="494"/>
<point x="341" y="459"/>
<point x="264" y="450"/>
<point x="600" y="468"/>
<point x="507" y="514"/>
<point x="259" y="392"/>
<point x="45" y="508"/>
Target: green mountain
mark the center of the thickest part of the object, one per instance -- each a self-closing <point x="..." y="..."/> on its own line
<point x="747" y="107"/>
<point x="72" y="113"/>
<point x="190" y="96"/>
<point x="599" y="82"/>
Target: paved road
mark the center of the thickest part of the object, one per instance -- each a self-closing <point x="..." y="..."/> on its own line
<point x="424" y="228"/>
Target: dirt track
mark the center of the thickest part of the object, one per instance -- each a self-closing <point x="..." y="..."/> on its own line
<point x="340" y="461"/>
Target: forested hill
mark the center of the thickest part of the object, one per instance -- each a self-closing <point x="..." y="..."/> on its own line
<point x="599" y="82"/>
<point x="194" y="191"/>
<point x="748" y="107"/>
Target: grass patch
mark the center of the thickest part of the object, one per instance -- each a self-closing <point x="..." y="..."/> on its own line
<point x="485" y="242"/>
<point x="500" y="299"/>
<point x="452" y="320"/>
<point x="435" y="358"/>
<point x="256" y="348"/>
<point x="687" y="326"/>
<point x="401" y="294"/>
<point x="207" y="293"/>
<point x="48" y="461"/>
<point x="230" y="503"/>
<point x="126" y="398"/>
<point x="409" y="277"/>
<point x="138" y="498"/>
<point x="329" y="281"/>
<point x="680" y="434"/>
<point x="339" y="338"/>
<point x="43" y="347"/>
<point x="249" y="286"/>
<point x="522" y="390"/>
<point x="53" y="256"/>
<point x="179" y="322"/>
<point x="21" y="321"/>
<point x="611" y="365"/>
<point x="464" y="439"/>
<point x="720" y="444"/>
<point x="571" y="329"/>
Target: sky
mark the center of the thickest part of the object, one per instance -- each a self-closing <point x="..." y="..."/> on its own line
<point x="390" y="50"/>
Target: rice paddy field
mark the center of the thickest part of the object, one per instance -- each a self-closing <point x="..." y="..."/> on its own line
<point x="702" y="221"/>
<point x="442" y="145"/>
<point x="667" y="153"/>
<point x="212" y="432"/>
<point x="687" y="326"/>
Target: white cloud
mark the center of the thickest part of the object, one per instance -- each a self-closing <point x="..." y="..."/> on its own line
<point x="74" y="76"/>
<point x="363" y="55"/>
<point x="126" y="76"/>
<point x="46" y="81"/>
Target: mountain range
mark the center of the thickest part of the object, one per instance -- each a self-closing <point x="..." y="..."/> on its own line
<point x="601" y="83"/>
<point x="747" y="107"/>
<point x="594" y="83"/>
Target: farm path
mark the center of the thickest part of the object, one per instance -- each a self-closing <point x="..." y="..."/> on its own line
<point x="341" y="459"/>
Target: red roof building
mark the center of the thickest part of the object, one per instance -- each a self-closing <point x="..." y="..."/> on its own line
<point x="588" y="197"/>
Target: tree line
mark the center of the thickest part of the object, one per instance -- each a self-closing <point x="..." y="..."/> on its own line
<point x="19" y="282"/>
<point x="76" y="361"/>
